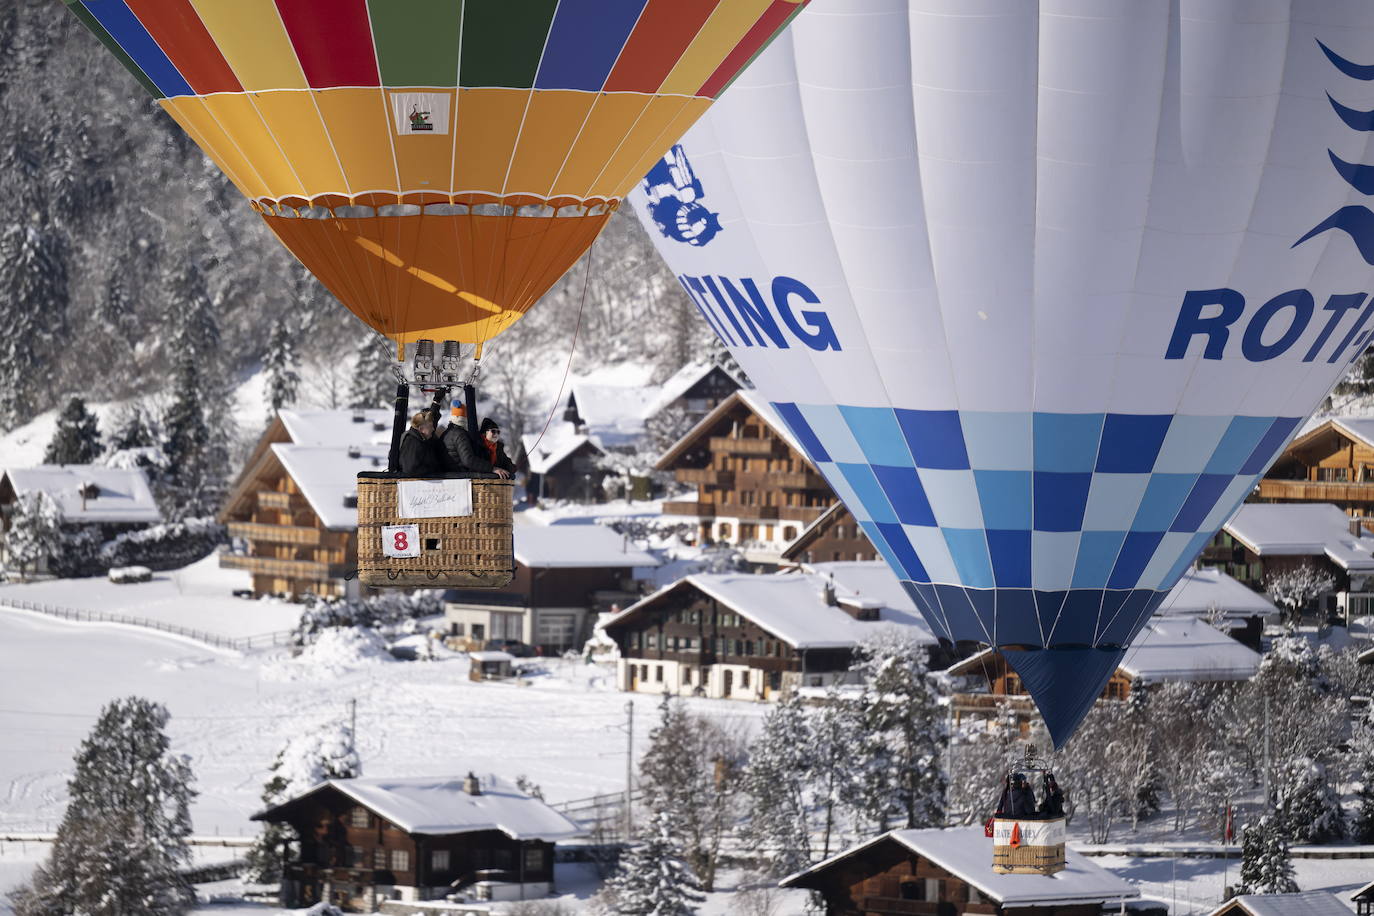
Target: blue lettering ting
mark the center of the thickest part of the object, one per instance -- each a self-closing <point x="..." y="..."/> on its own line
<point x="747" y="311"/>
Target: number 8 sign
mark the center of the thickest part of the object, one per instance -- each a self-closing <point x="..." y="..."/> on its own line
<point x="401" y="540"/>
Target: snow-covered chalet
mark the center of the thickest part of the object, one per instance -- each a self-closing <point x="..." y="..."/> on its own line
<point x="365" y="841"/>
<point x="752" y="637"/>
<point x="948" y="873"/>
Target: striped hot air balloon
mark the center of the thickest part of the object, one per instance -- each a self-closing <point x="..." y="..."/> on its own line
<point x="438" y="164"/>
<point x="1043" y="288"/>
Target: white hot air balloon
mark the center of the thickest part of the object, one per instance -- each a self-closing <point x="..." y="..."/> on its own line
<point x="1043" y="288"/>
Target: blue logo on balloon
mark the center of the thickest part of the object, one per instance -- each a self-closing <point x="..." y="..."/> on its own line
<point x="1354" y="220"/>
<point x="674" y="193"/>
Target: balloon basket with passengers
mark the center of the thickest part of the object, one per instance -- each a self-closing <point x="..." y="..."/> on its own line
<point x="1028" y="835"/>
<point x="431" y="527"/>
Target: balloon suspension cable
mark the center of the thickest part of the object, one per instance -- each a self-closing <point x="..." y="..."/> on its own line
<point x="586" y="283"/>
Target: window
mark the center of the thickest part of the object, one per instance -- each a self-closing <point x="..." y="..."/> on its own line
<point x="534" y="858"/>
<point x="748" y="647"/>
<point x="438" y="860"/>
<point x="400" y="860"/>
<point x="720" y="645"/>
<point x="789" y="533"/>
<point x="1333" y="473"/>
<point x="643" y="672"/>
<point x="744" y="679"/>
<point x="379" y="857"/>
<point x="359" y="818"/>
<point x="479" y="631"/>
<point x="686" y="675"/>
<point x="739" y="647"/>
<point x="355" y="856"/>
<point x="658" y="673"/>
<point x="634" y="639"/>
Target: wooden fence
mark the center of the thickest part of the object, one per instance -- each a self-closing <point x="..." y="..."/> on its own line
<point x="245" y="643"/>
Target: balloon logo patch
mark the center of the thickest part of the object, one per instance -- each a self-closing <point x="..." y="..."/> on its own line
<point x="674" y="194"/>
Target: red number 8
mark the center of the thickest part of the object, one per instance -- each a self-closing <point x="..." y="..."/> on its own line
<point x="400" y="541"/>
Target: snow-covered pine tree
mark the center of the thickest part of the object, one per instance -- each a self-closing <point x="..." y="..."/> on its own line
<point x="77" y="439"/>
<point x="374" y="376"/>
<point x="185" y="444"/>
<point x="308" y="759"/>
<point x="898" y="771"/>
<point x="122" y="843"/>
<point x="1308" y="803"/>
<point x="653" y="878"/>
<point x="34" y="295"/>
<point x="280" y="361"/>
<point x="775" y="781"/>
<point x="1266" y="867"/>
<point x="34" y="535"/>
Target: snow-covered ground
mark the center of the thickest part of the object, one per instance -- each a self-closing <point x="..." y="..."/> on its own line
<point x="198" y="597"/>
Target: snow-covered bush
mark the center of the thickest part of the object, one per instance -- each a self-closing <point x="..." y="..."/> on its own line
<point x="1266" y="867"/>
<point x="1295" y="589"/>
<point x="1308" y="803"/>
<point x="167" y="546"/>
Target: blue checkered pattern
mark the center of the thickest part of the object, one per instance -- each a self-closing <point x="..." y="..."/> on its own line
<point x="1048" y="511"/>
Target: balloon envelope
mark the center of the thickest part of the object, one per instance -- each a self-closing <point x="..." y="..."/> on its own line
<point x="438" y="164"/>
<point x="1042" y="287"/>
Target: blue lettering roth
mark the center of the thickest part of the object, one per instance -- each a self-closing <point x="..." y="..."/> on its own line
<point x="1190" y="321"/>
<point x="1337" y="305"/>
<point x="754" y="313"/>
<point x="1350" y="335"/>
<point x="821" y="335"/>
<point x="1252" y="345"/>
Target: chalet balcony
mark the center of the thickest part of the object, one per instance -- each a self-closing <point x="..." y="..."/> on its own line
<point x="291" y="569"/>
<point x="991" y="703"/>
<point x="899" y="907"/>
<point x="731" y="446"/>
<point x="274" y="499"/>
<point x="702" y="510"/>
<point x="706" y="476"/>
<point x="276" y="534"/>
<point x="807" y="514"/>
<point x="798" y="480"/>
<point x="1317" y="491"/>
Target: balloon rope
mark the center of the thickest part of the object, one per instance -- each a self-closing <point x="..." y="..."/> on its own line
<point x="586" y="282"/>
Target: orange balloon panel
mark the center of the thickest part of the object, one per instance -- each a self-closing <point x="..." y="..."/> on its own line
<point x="456" y="276"/>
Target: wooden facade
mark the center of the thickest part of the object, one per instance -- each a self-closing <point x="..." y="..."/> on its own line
<point x="1238" y="561"/>
<point x="887" y="878"/>
<point x="1006" y="692"/>
<point x="683" y="641"/>
<point x="576" y="476"/>
<point x="754" y="490"/>
<point x="354" y="858"/>
<point x="1330" y="464"/>
<point x="289" y="551"/>
<point x="833" y="538"/>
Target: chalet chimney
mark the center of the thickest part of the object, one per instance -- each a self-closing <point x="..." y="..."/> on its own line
<point x="828" y="592"/>
<point x="354" y="452"/>
<point x="1356" y="527"/>
<point x="470" y="784"/>
<point x="359" y="416"/>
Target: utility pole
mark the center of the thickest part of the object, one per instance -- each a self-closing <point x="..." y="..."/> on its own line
<point x="629" y="767"/>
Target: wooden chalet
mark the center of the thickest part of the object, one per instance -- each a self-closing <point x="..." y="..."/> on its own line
<point x="1331" y="463"/>
<point x="1364" y="900"/>
<point x="948" y="873"/>
<point x="742" y="636"/>
<point x="1168" y="649"/>
<point x="755" y="487"/>
<point x="693" y="391"/>
<point x="564" y="576"/>
<point x="561" y="464"/>
<point x="1306" y="903"/>
<point x="832" y="538"/>
<point x="292" y="513"/>
<point x="365" y="841"/>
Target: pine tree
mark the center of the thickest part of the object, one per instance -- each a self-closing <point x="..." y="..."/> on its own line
<point x="1309" y="805"/>
<point x="34" y="295"/>
<point x="34" y="534"/>
<point x="374" y="376"/>
<point x="1266" y="867"/>
<point x="122" y="843"/>
<point x="305" y="761"/>
<point x="283" y="381"/>
<point x="653" y="879"/>
<point x="897" y="750"/>
<point x="775" y="781"/>
<point x="1362" y="754"/>
<point x="185" y="444"/>
<point x="77" y="440"/>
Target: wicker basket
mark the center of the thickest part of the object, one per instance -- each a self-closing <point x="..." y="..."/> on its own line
<point x="471" y="551"/>
<point x="1039" y="849"/>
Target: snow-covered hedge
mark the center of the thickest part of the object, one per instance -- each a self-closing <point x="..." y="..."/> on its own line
<point x="163" y="547"/>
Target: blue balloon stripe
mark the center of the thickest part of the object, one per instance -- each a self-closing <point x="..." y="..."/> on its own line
<point x="1360" y="177"/>
<point x="1349" y="68"/>
<point x="1354" y="119"/>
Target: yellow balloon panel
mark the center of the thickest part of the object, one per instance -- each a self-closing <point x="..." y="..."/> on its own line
<point x="360" y="130"/>
<point x="294" y="122"/>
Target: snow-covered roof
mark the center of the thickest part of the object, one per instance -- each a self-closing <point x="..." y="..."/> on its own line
<point x="966" y="853"/>
<point x="338" y="427"/>
<point x="438" y="805"/>
<point x="1367" y="889"/>
<point x="614" y="414"/>
<point x="1307" y="903"/>
<point x="123" y="494"/>
<point x="562" y="546"/>
<point x="677" y="384"/>
<point x="1186" y="649"/>
<point x="326" y="474"/>
<point x="792" y="606"/>
<point x="560" y="441"/>
<point x="491" y="655"/>
<point x="1200" y="590"/>
<point x="1301" y="529"/>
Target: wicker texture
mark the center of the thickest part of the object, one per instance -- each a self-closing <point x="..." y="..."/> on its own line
<point x="472" y="551"/>
<point x="1027" y="860"/>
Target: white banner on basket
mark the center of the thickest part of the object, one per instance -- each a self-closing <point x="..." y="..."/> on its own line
<point x="433" y="498"/>
<point x="401" y="540"/>
<point x="1033" y="833"/>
